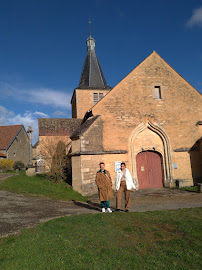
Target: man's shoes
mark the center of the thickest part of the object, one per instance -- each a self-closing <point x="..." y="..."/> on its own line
<point x="126" y="211"/>
<point x="118" y="210"/>
<point x="103" y="210"/>
<point x="109" y="210"/>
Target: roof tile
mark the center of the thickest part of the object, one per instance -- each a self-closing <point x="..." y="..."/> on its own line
<point x="2" y="155"/>
<point x="58" y="126"/>
<point x="7" y="134"/>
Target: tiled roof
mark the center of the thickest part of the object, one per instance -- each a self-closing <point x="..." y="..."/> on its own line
<point x="7" y="135"/>
<point x="58" y="126"/>
<point x="92" y="76"/>
<point x="80" y="131"/>
<point x="2" y="155"/>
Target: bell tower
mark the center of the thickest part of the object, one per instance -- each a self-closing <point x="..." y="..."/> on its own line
<point x="92" y="85"/>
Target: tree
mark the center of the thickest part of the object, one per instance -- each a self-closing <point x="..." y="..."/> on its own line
<point x="58" y="170"/>
<point x="57" y="164"/>
<point x="18" y="165"/>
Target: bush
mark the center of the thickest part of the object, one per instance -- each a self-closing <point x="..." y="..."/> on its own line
<point x="18" y="165"/>
<point x="6" y="164"/>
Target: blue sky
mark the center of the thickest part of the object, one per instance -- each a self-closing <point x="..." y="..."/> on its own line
<point x="43" y="47"/>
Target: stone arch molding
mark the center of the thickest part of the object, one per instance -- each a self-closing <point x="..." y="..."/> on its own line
<point x="165" y="151"/>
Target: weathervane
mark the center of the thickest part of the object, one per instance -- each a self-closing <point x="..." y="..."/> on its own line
<point x="89" y="22"/>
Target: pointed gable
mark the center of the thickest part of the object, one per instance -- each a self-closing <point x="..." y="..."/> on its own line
<point x="134" y="100"/>
<point x="155" y="70"/>
<point x="8" y="134"/>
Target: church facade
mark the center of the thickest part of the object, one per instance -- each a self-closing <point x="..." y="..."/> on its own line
<point x="151" y="120"/>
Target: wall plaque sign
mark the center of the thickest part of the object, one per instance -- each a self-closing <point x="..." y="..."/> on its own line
<point x="117" y="165"/>
<point x="175" y="165"/>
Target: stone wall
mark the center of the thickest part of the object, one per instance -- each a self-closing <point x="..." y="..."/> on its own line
<point x="92" y="140"/>
<point x="132" y="103"/>
<point x="19" y="149"/>
<point x="85" y="167"/>
<point x="83" y="101"/>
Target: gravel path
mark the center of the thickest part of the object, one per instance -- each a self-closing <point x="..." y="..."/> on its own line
<point x="18" y="211"/>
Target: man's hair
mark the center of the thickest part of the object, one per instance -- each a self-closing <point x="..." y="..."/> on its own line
<point x="102" y="163"/>
<point x="123" y="163"/>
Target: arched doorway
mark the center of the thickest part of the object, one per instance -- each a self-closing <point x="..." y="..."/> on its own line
<point x="149" y="170"/>
<point x="151" y="137"/>
<point x="196" y="161"/>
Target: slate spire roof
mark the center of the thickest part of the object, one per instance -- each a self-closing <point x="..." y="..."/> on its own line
<point x="92" y="76"/>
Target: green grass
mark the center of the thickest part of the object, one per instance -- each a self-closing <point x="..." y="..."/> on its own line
<point x="40" y="186"/>
<point x="14" y="171"/>
<point x="192" y="189"/>
<point x="151" y="240"/>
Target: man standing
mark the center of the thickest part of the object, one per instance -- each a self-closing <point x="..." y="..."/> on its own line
<point x="123" y="183"/>
<point x="104" y="184"/>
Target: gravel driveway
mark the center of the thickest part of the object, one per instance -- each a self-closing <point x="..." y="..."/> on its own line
<point x="18" y="211"/>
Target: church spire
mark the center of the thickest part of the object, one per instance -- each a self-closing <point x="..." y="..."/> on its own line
<point x="92" y="76"/>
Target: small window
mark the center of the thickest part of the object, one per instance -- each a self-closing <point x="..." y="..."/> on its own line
<point x="97" y="97"/>
<point x="157" y="92"/>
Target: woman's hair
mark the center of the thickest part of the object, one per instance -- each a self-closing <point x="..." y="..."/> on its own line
<point x="123" y="163"/>
<point x="101" y="163"/>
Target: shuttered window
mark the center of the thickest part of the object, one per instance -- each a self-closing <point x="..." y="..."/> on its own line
<point x="101" y="95"/>
<point x="97" y="97"/>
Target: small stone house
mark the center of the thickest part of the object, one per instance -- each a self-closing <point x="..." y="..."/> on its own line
<point x="53" y="131"/>
<point x="151" y="120"/>
<point x="14" y="143"/>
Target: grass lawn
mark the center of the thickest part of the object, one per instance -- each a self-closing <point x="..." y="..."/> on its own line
<point x="192" y="189"/>
<point x="13" y="171"/>
<point x="40" y="186"/>
<point x="151" y="240"/>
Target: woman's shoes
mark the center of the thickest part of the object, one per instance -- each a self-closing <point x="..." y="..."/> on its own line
<point x="107" y="210"/>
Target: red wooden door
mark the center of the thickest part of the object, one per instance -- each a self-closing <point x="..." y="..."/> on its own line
<point x="149" y="170"/>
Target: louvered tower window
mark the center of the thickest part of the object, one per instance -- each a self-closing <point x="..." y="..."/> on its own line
<point x="97" y="97"/>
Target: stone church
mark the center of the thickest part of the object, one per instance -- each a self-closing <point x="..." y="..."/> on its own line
<point x="151" y="120"/>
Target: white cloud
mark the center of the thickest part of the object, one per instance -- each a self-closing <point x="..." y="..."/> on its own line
<point x="196" y="18"/>
<point x="59" y="113"/>
<point x="27" y="119"/>
<point x="41" y="114"/>
<point x="48" y="97"/>
<point x="5" y="115"/>
<point x="44" y="96"/>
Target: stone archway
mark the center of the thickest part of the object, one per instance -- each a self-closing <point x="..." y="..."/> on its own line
<point x="195" y="153"/>
<point x="151" y="137"/>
